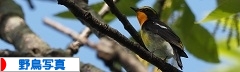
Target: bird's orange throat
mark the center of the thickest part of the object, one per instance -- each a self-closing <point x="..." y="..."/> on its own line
<point x="142" y="17"/>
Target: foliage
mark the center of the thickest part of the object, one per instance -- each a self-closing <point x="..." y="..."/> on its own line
<point x="227" y="14"/>
<point x="122" y="5"/>
<point x="231" y="56"/>
<point x="197" y="40"/>
<point x="226" y="8"/>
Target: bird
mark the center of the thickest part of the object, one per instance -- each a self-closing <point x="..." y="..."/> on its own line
<point x="158" y="37"/>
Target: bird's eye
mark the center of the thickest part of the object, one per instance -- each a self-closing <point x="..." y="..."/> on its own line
<point x="145" y="9"/>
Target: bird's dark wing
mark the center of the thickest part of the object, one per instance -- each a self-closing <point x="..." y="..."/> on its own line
<point x="166" y="33"/>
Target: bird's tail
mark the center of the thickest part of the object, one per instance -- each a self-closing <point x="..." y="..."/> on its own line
<point x="177" y="59"/>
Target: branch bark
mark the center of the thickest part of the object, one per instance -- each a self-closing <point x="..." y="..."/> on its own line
<point x="127" y="25"/>
<point x="127" y="64"/>
<point x="14" y="30"/>
<point x="81" y="14"/>
<point x="107" y="49"/>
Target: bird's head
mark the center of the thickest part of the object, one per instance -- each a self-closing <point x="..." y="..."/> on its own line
<point x="144" y="13"/>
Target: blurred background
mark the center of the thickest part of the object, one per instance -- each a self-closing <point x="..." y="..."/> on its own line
<point x="209" y="29"/>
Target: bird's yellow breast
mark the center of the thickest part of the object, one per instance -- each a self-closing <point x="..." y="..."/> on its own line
<point x="156" y="44"/>
<point x="145" y="38"/>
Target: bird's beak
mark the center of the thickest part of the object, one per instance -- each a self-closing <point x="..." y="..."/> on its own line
<point x="135" y="9"/>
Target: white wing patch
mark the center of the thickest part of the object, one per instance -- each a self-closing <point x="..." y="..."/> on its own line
<point x="161" y="26"/>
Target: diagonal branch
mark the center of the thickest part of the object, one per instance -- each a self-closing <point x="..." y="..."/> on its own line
<point x="127" y="25"/>
<point x="74" y="46"/>
<point x="108" y="50"/>
<point x="61" y="28"/>
<point x="113" y="33"/>
<point x="81" y="38"/>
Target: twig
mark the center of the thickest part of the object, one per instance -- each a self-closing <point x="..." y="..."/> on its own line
<point x="127" y="25"/>
<point x="86" y="32"/>
<point x="30" y="4"/>
<point x="109" y="49"/>
<point x="81" y="14"/>
<point x="81" y="39"/>
<point x="104" y="10"/>
<point x="74" y="46"/>
<point x="60" y="27"/>
<point x="128" y="61"/>
<point x="117" y="52"/>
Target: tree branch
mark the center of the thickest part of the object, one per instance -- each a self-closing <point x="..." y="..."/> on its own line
<point x="8" y="53"/>
<point x="127" y="25"/>
<point x="105" y="29"/>
<point x="81" y="38"/>
<point x="14" y="30"/>
<point x="30" y="4"/>
<point x="108" y="50"/>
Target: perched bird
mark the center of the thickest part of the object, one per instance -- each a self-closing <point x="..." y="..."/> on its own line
<point x="158" y="37"/>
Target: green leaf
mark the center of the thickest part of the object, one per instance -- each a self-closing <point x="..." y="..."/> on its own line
<point x="197" y="40"/>
<point x="231" y="57"/>
<point x="200" y="43"/>
<point x="234" y="52"/>
<point x="169" y="7"/>
<point x="66" y="14"/>
<point x="231" y="22"/>
<point x="124" y="7"/>
<point x="97" y="6"/>
<point x="220" y="1"/>
<point x="108" y="18"/>
<point x="225" y="9"/>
